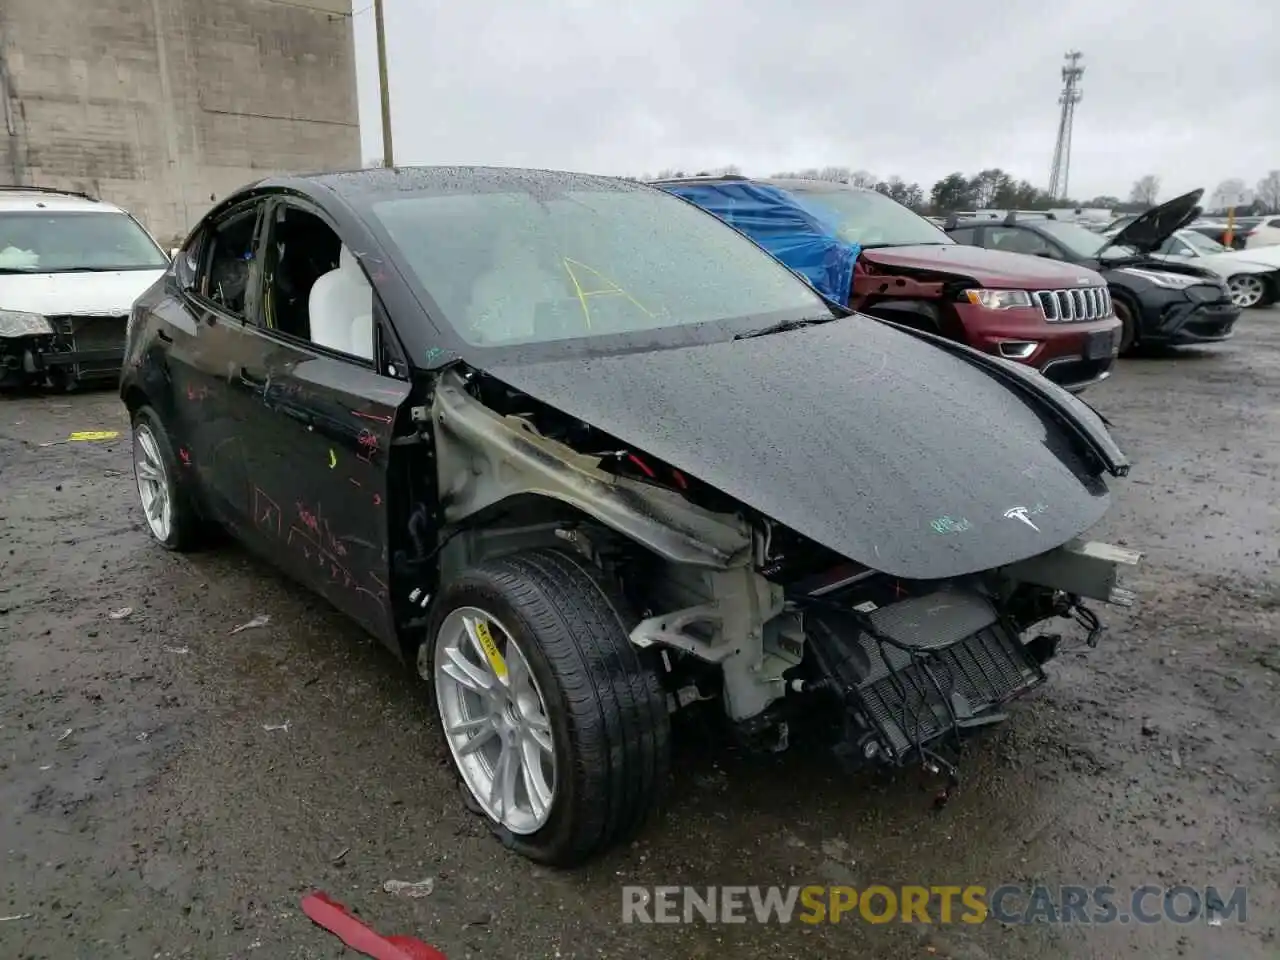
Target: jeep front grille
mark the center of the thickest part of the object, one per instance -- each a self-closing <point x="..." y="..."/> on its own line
<point x="1072" y="306"/>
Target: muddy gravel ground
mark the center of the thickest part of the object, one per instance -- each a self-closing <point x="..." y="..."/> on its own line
<point x="169" y="788"/>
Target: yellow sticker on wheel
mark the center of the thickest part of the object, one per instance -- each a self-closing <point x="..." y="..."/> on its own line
<point x="491" y="651"/>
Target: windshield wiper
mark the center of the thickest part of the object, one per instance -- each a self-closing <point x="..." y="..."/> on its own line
<point x="783" y="326"/>
<point x="8" y="270"/>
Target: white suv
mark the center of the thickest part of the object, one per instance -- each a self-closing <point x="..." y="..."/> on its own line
<point x="1265" y="234"/>
<point x="70" y="269"/>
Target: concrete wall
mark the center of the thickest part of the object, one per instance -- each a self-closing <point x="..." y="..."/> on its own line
<point x="162" y="105"/>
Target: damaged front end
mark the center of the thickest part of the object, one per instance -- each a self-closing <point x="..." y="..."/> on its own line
<point x="791" y="638"/>
<point x="26" y="339"/>
<point x="36" y="349"/>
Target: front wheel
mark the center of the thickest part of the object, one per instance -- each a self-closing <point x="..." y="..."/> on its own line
<point x="1246" y="290"/>
<point x="557" y="726"/>
<point x="1128" y="325"/>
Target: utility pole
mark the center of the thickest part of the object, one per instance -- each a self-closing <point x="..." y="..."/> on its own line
<point x="1069" y="97"/>
<point x="385" y="94"/>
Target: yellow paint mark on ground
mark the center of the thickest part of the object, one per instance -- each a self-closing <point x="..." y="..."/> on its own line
<point x="94" y="435"/>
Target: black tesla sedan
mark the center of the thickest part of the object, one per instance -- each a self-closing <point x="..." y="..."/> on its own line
<point x="1158" y="302"/>
<point x="585" y="456"/>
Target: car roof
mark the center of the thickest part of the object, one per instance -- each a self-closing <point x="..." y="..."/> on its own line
<point x="388" y="181"/>
<point x="782" y="183"/>
<point x="25" y="198"/>
<point x="1029" y="224"/>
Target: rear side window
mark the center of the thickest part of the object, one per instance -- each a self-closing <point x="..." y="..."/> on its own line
<point x="967" y="235"/>
<point x="1016" y="240"/>
<point x="227" y="262"/>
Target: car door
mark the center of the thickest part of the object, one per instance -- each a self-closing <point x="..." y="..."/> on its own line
<point x="324" y="416"/>
<point x="209" y="360"/>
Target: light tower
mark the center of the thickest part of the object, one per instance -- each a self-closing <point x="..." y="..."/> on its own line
<point x="1069" y="97"/>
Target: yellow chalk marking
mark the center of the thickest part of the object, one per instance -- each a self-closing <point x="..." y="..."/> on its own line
<point x="94" y="435"/>
<point x="333" y="459"/>
<point x="491" y="651"/>
<point x="610" y="288"/>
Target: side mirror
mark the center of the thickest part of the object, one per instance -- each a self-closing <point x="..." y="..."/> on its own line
<point x="184" y="270"/>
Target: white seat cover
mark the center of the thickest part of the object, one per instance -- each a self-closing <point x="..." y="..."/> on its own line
<point x="341" y="309"/>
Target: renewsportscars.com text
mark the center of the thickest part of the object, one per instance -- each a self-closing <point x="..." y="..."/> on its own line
<point x="1010" y="904"/>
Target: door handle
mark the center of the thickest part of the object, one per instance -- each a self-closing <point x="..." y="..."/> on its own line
<point x="164" y="336"/>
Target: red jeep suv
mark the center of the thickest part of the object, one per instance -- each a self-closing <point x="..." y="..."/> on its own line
<point x="861" y="248"/>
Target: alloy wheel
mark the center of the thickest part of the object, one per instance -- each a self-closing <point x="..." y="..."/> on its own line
<point x="153" y="482"/>
<point x="494" y="718"/>
<point x="1246" y="291"/>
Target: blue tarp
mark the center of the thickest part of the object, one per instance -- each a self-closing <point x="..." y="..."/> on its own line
<point x="798" y="235"/>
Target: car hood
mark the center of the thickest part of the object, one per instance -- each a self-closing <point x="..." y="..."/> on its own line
<point x="1150" y="230"/>
<point x="869" y="440"/>
<point x="990" y="268"/>
<point x="1268" y="257"/>
<point x="1230" y="264"/>
<point x="57" y="294"/>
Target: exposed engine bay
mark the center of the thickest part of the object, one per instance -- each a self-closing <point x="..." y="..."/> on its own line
<point x="790" y="637"/>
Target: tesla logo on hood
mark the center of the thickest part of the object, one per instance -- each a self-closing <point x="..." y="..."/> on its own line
<point x="1020" y="513"/>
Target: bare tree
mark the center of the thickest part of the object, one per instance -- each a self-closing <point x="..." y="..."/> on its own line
<point x="1268" y="191"/>
<point x="863" y="179"/>
<point x="1231" y="193"/>
<point x="1145" y="190"/>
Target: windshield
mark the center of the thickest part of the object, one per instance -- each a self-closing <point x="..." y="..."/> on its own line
<point x="59" y="242"/>
<point x="867" y="218"/>
<point x="512" y="268"/>
<point x="1082" y="242"/>
<point x="1202" y="243"/>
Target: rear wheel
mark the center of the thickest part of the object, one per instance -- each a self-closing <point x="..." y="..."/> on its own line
<point x="166" y="502"/>
<point x="558" y="728"/>
<point x="1246" y="290"/>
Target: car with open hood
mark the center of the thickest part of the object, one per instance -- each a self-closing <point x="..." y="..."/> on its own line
<point x="70" y="269"/>
<point x="1159" y="302"/>
<point x="585" y="457"/>
<point x="862" y="249"/>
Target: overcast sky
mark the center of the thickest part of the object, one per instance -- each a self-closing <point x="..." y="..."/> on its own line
<point x="1184" y="89"/>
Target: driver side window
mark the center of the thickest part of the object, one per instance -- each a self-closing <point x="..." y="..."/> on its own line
<point x="315" y="288"/>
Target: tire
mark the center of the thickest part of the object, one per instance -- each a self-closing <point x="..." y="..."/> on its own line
<point x="1128" y="324"/>
<point x="601" y="701"/>
<point x="1247" y="290"/>
<point x="153" y="455"/>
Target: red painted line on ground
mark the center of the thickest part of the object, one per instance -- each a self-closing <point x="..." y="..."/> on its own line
<point x="333" y="917"/>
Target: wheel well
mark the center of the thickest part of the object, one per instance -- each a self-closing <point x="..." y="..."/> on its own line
<point x="917" y="314"/>
<point x="524" y="522"/>
<point x="134" y="399"/>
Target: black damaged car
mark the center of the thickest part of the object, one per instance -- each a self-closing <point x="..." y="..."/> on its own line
<point x="585" y="456"/>
<point x="1159" y="302"/>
